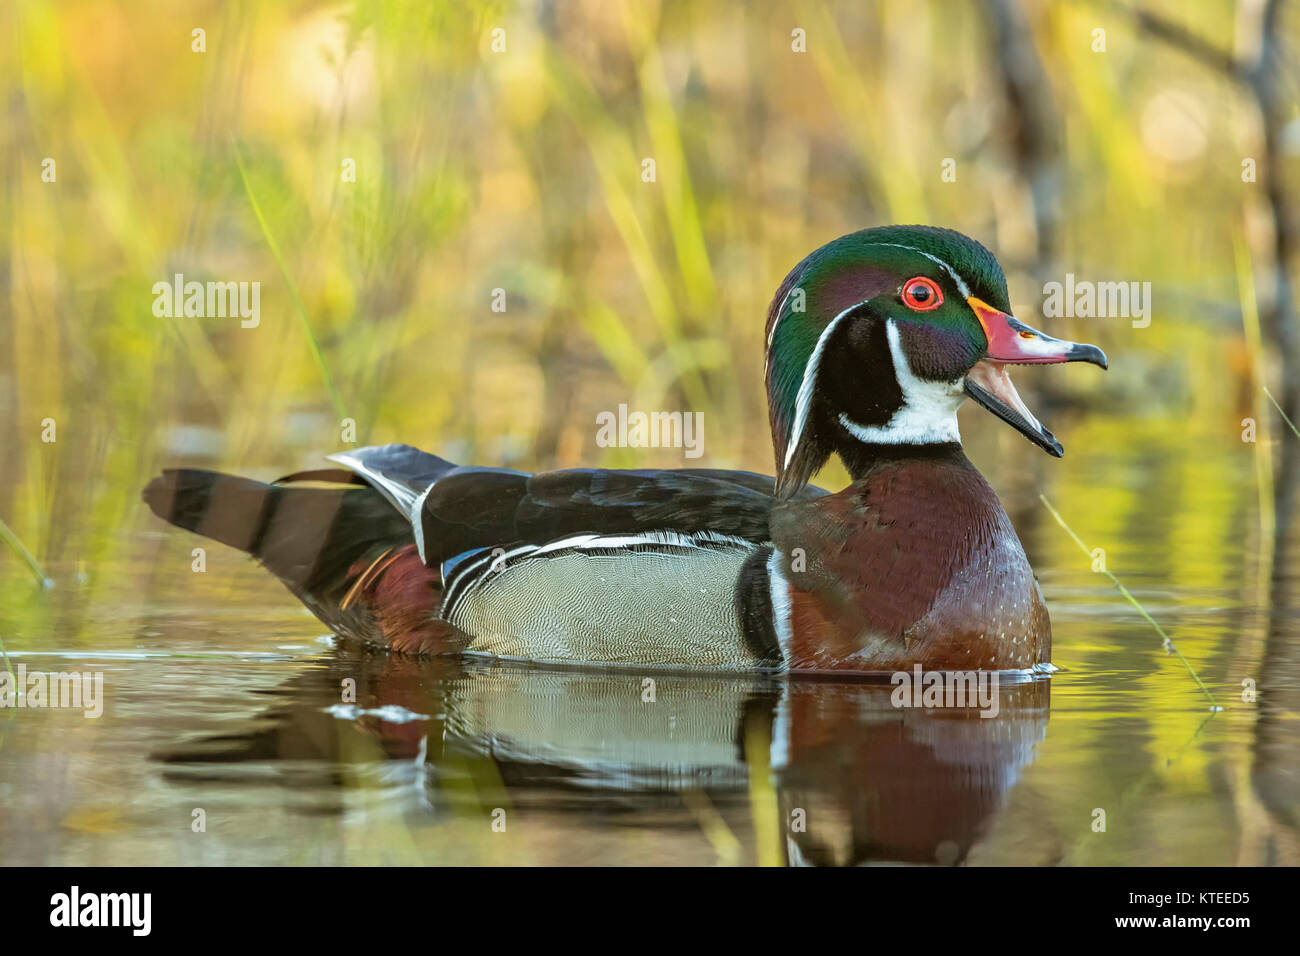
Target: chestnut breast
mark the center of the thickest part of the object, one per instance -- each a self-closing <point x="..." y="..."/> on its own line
<point x="914" y="562"/>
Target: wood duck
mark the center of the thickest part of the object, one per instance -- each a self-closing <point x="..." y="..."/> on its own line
<point x="873" y="341"/>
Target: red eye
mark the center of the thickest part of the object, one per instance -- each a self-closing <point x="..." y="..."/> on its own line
<point x="922" y="294"/>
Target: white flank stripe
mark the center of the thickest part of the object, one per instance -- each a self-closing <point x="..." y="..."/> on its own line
<point x="586" y="542"/>
<point x="466" y="579"/>
<point x="574" y="542"/>
<point x="466" y="576"/>
<point x="779" y="589"/>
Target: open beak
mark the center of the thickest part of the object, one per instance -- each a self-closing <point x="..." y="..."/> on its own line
<point x="1011" y="342"/>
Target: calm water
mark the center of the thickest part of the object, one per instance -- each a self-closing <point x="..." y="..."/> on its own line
<point x="222" y="696"/>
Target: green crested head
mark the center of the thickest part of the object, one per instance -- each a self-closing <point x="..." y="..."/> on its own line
<point x="877" y="337"/>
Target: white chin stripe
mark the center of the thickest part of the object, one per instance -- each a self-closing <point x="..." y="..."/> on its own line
<point x="929" y="412"/>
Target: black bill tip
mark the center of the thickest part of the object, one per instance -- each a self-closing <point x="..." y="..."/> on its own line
<point x="1087" y="353"/>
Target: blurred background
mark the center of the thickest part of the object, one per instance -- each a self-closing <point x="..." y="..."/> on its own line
<point x="381" y="167"/>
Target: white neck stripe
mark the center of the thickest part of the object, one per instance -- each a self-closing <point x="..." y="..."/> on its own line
<point x="804" y="400"/>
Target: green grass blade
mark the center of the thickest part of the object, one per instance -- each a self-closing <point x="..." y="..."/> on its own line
<point x="1168" y="641"/>
<point x="299" y="308"/>
<point x="20" y="549"/>
<point x="1280" y="412"/>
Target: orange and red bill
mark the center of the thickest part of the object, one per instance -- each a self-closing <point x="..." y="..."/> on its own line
<point x="1011" y="342"/>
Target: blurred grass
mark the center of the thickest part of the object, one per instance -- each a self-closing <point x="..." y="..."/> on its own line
<point x="521" y="170"/>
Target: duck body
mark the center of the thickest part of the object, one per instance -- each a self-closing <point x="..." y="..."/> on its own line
<point x="915" y="562"/>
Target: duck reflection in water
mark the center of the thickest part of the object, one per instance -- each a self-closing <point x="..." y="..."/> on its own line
<point x="800" y="771"/>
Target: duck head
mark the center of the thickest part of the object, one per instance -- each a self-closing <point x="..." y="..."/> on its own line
<point x="878" y="337"/>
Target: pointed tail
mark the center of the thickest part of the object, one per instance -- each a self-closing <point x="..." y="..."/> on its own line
<point x="341" y="550"/>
